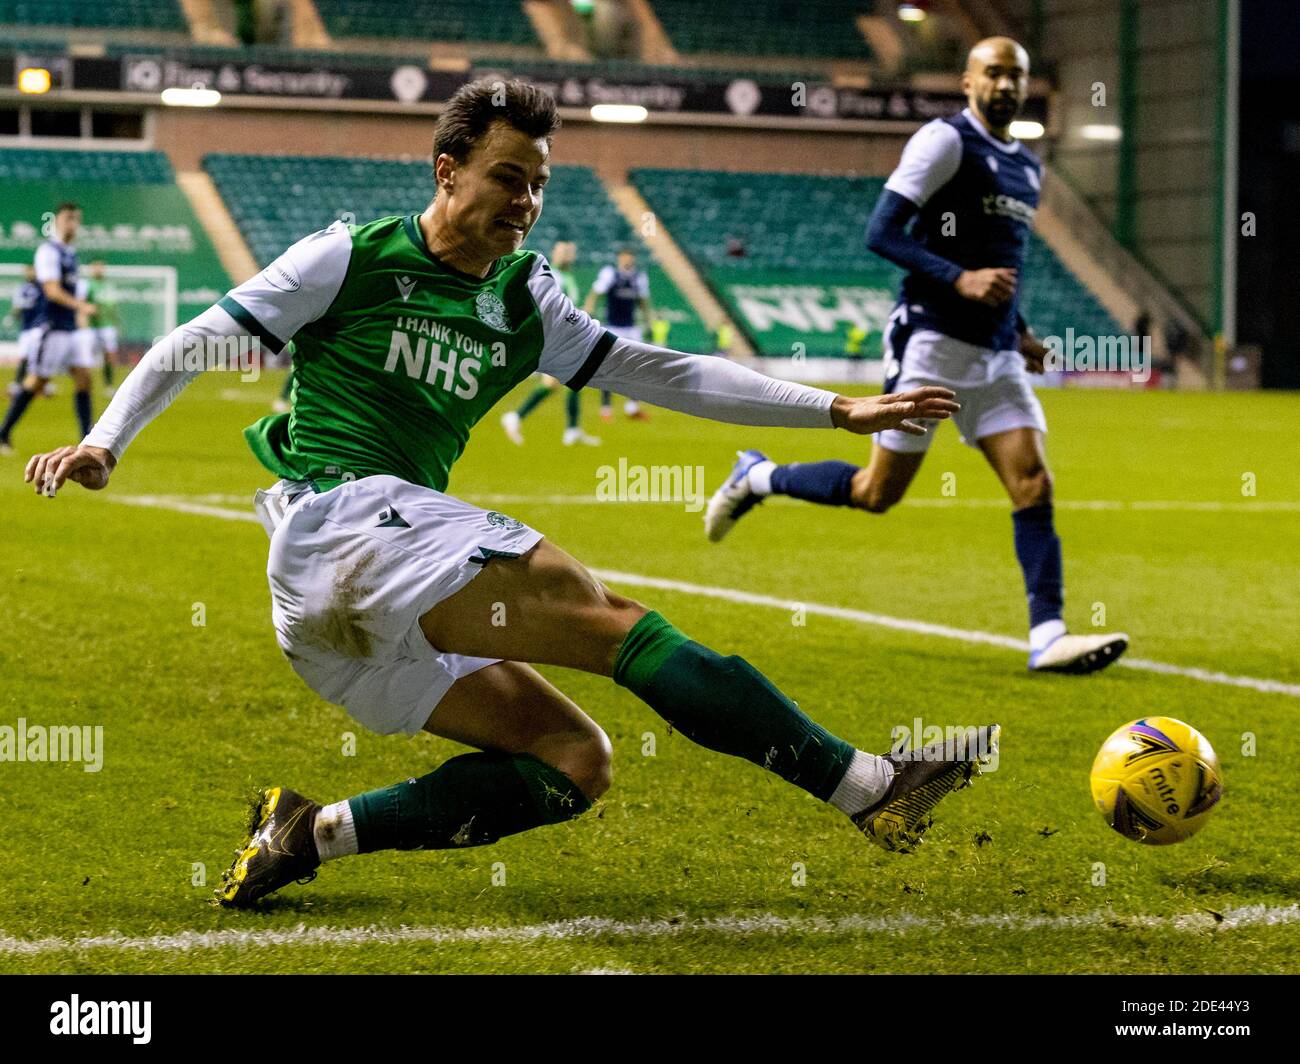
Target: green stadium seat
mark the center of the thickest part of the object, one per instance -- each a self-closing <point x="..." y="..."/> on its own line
<point x="812" y="28"/>
<point x="119" y="14"/>
<point x="101" y="167"/>
<point x="434" y="20"/>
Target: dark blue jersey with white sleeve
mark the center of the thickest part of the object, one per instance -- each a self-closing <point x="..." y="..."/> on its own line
<point x="622" y="290"/>
<point x="976" y="198"/>
<point x="27" y="301"/>
<point x="57" y="261"/>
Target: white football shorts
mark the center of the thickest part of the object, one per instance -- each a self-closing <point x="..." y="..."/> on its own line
<point x="28" y="341"/>
<point x="351" y="572"/>
<point x="85" y="348"/>
<point x="108" y="338"/>
<point x="55" y="351"/>
<point x="992" y="386"/>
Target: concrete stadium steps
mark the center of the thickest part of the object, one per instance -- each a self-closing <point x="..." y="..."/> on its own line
<point x="676" y="264"/>
<point x="218" y="224"/>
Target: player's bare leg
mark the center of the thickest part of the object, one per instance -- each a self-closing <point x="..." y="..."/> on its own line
<point x="543" y="607"/>
<point x="555" y="612"/>
<point x="874" y="487"/>
<point x="511" y="708"/>
<point x="882" y="483"/>
<point x="1019" y="459"/>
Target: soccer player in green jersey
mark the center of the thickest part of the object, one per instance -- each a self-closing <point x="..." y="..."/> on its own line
<point x="563" y="255"/>
<point x="104" y="323"/>
<point x="388" y="595"/>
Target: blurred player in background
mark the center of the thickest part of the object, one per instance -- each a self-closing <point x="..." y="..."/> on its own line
<point x="54" y="350"/>
<point x="563" y="256"/>
<point x="957" y="325"/>
<point x="104" y="323"/>
<point x="26" y="309"/>
<point x="626" y="289"/>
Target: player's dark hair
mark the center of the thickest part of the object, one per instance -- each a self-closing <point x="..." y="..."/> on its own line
<point x="474" y="107"/>
<point x="67" y="205"/>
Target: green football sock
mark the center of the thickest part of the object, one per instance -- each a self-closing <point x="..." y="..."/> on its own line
<point x="470" y="800"/>
<point x="108" y="370"/>
<point x="727" y="705"/>
<point x="535" y="397"/>
<point x="572" y="409"/>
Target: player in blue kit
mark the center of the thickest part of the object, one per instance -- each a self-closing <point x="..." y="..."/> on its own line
<point x="626" y="289"/>
<point x="969" y="191"/>
<point x="53" y="350"/>
<point x="26" y="308"/>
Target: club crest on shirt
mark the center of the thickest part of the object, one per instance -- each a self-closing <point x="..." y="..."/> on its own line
<point x="491" y="311"/>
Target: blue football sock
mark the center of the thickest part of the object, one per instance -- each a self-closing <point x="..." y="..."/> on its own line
<point x="830" y="483"/>
<point x="1039" y="550"/>
<point x="17" y="405"/>
<point x="81" y="404"/>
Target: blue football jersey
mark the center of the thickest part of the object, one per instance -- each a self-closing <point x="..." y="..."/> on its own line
<point x="622" y="290"/>
<point x="977" y="197"/>
<point x="57" y="261"/>
<point x="28" y="300"/>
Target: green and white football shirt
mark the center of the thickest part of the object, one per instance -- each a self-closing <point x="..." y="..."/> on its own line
<point x="398" y="355"/>
<point x="106" y="315"/>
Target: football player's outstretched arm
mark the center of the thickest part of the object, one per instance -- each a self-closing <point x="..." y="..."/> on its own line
<point x="721" y="390"/>
<point x="578" y="351"/>
<point x="147" y="391"/>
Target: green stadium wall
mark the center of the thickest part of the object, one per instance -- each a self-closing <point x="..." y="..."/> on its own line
<point x="778" y="309"/>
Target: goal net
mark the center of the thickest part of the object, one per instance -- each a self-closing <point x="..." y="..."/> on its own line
<point x="145" y="299"/>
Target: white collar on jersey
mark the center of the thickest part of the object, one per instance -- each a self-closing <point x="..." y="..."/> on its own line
<point x="1002" y="145"/>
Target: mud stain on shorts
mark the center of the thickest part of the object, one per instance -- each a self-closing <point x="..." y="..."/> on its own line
<point x="340" y="627"/>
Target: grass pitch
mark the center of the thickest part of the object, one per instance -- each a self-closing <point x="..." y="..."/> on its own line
<point x="693" y="862"/>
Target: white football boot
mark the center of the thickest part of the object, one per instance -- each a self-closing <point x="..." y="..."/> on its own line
<point x="576" y="435"/>
<point x="734" y="499"/>
<point x="1079" y="654"/>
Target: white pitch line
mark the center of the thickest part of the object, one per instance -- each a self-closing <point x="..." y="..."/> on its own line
<point x="843" y="613"/>
<point x="597" y="927"/>
<point x="943" y="631"/>
<point x="165" y="502"/>
<point x="1261" y="506"/>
